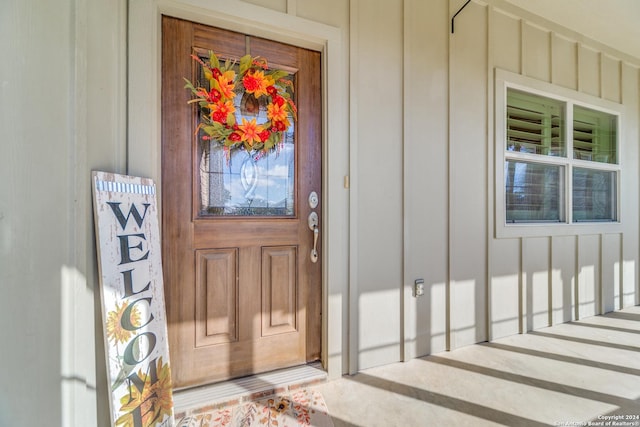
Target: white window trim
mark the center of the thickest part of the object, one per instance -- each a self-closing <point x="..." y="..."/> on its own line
<point x="503" y="81"/>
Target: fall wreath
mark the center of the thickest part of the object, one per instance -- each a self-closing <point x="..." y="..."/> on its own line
<point x="259" y="87"/>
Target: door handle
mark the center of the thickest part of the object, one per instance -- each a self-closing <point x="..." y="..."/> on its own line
<point x="313" y="225"/>
<point x="314" y="251"/>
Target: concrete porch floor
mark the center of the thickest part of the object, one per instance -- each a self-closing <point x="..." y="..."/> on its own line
<point x="568" y="374"/>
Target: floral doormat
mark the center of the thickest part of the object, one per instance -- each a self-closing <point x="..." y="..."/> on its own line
<point x="298" y="408"/>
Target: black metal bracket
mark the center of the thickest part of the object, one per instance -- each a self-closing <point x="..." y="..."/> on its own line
<point x="459" y="10"/>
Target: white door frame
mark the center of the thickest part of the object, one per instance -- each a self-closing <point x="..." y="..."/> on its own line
<point x="144" y="124"/>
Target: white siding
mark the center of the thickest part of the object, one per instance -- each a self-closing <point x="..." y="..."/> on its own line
<point x="505" y="255"/>
<point x="478" y="286"/>
<point x="563" y="279"/>
<point x="425" y="175"/>
<point x="566" y="277"/>
<point x="535" y="270"/>
<point x="505" y="38"/>
<point x="611" y="266"/>
<point x="611" y="78"/>
<point x="377" y="89"/>
<point x="630" y="285"/>
<point x="468" y="175"/>
<point x="588" y="71"/>
<point x="505" y="290"/>
<point x="536" y="52"/>
<point x="35" y="174"/>
<point x="565" y="61"/>
<point x="61" y="115"/>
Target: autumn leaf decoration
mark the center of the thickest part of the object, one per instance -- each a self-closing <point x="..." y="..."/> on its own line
<point x="251" y="87"/>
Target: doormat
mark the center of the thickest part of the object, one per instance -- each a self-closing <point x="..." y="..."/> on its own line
<point x="299" y="408"/>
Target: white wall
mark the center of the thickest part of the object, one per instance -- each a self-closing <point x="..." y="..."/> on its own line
<point x="35" y="174"/>
<point x="61" y="115"/>
<point x="426" y="175"/>
<point x="377" y="199"/>
<point x="558" y="279"/>
<point x="478" y="287"/>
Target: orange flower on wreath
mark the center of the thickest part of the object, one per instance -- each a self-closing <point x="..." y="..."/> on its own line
<point x="268" y="89"/>
<point x="221" y="110"/>
<point x="277" y="112"/>
<point x="226" y="82"/>
<point x="250" y="131"/>
<point x="256" y="83"/>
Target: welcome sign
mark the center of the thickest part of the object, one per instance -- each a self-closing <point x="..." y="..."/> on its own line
<point x="133" y="308"/>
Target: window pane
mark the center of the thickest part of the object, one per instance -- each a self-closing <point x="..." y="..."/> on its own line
<point x="534" y="192"/>
<point x="246" y="186"/>
<point x="535" y="124"/>
<point x="594" y="136"/>
<point x="594" y="195"/>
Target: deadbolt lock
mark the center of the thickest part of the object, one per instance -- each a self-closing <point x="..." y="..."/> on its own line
<point x="313" y="200"/>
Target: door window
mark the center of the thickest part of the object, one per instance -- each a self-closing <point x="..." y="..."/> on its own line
<point x="240" y="183"/>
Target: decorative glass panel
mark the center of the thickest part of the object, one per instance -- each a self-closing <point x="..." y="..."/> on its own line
<point x="244" y="186"/>
<point x="594" y="136"/>
<point x="535" y="124"/>
<point x="247" y="184"/>
<point x="533" y="192"/>
<point x="594" y="195"/>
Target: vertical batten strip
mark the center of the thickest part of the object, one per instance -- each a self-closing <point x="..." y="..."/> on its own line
<point x="403" y="184"/>
<point x="292" y="7"/>
<point x="601" y="76"/>
<point x="576" y="282"/>
<point x="579" y="72"/>
<point x="620" y="90"/>
<point x="549" y="281"/>
<point x="576" y="58"/>
<point x="522" y="279"/>
<point x="449" y="201"/>
<point x="599" y="291"/>
<point x="490" y="164"/>
<point x="488" y="175"/>
<point x="617" y="304"/>
<point x="636" y="247"/>
<point x="550" y="50"/>
<point x="521" y="37"/>
<point x="354" y="327"/>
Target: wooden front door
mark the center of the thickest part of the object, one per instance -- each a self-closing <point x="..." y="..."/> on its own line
<point x="242" y="292"/>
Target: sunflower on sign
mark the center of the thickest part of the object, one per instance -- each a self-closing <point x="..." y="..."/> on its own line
<point x="258" y="86"/>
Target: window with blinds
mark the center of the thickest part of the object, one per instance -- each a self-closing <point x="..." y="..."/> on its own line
<point x="594" y="135"/>
<point x="594" y="188"/>
<point x="539" y="173"/>
<point x="535" y="124"/>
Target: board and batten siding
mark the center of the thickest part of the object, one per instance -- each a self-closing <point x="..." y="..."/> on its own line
<point x="539" y="281"/>
<point x="480" y="287"/>
<point x="425" y="175"/>
<point x="376" y="190"/>
<point x="421" y="169"/>
<point x="468" y="176"/>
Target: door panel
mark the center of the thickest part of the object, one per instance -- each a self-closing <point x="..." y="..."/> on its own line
<point x="217" y="296"/>
<point x="279" y="290"/>
<point x="242" y="293"/>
